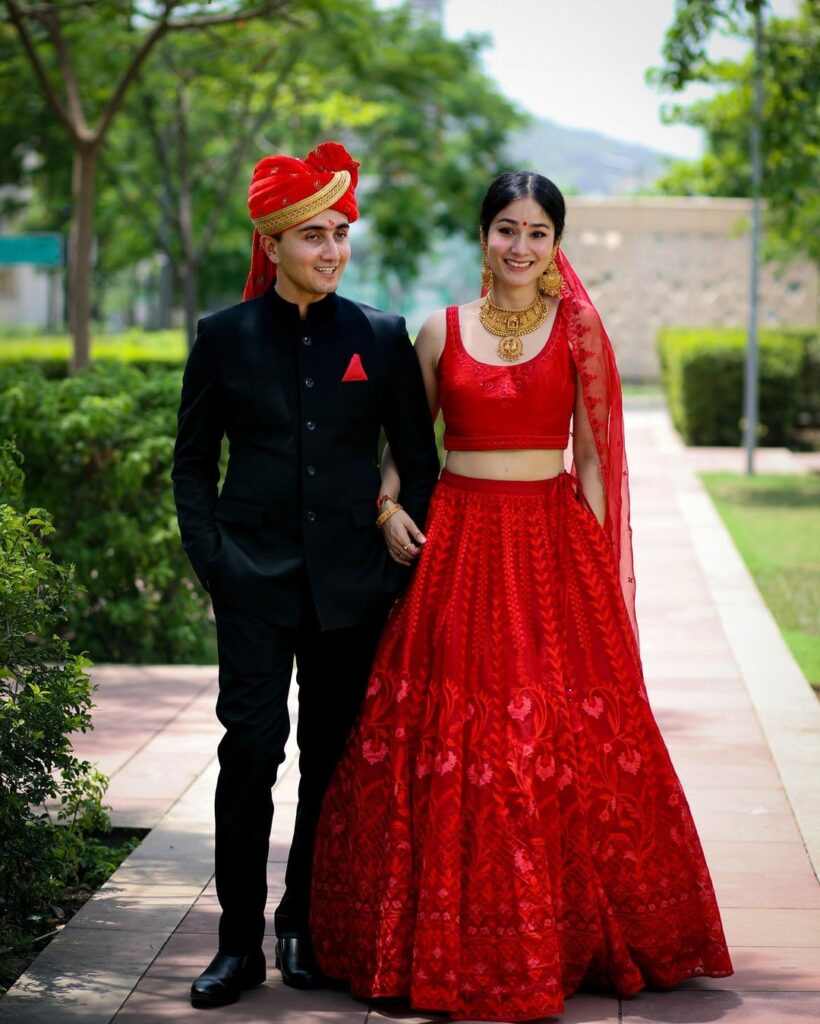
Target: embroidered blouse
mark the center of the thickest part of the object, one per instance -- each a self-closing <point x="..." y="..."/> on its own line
<point x="527" y="404"/>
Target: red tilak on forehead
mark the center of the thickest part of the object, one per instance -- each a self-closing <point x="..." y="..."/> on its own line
<point x="524" y="223"/>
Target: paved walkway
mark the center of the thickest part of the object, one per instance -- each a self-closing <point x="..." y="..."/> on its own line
<point x="740" y="720"/>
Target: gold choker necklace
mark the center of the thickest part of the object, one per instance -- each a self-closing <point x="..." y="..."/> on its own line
<point x="510" y="324"/>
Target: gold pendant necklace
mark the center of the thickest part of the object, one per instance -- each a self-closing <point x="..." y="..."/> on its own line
<point x="510" y="324"/>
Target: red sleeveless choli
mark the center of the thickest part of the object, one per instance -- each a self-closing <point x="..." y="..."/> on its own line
<point x="505" y="825"/>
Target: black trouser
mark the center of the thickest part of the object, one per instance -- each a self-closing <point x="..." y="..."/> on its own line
<point x="255" y="666"/>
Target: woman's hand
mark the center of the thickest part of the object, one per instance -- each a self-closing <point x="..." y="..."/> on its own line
<point x="403" y="538"/>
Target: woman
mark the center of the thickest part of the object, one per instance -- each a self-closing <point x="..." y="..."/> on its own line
<point x="506" y="824"/>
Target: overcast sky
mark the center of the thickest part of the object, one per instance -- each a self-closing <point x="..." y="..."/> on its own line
<point x="582" y="62"/>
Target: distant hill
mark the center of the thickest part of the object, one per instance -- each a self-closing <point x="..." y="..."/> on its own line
<point x="585" y="162"/>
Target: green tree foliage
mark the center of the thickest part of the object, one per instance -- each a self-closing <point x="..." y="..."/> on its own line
<point x="176" y="180"/>
<point x="84" y="58"/>
<point x="791" y="115"/>
<point x="35" y="146"/>
<point x="428" y="126"/>
<point x="98" y="449"/>
<point x="45" y="696"/>
<point x="685" y="46"/>
<point x="433" y="146"/>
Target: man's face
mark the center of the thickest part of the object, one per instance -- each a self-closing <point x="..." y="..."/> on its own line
<point x="310" y="258"/>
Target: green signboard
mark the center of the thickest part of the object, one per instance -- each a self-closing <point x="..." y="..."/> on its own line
<point x="41" y="250"/>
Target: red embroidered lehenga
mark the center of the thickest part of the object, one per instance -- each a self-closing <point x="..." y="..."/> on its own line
<point x="505" y="825"/>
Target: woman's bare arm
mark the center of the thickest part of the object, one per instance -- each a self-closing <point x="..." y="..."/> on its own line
<point x="585" y="455"/>
<point x="402" y="536"/>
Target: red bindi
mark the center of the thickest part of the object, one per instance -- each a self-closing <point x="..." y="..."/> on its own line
<point x="525" y="223"/>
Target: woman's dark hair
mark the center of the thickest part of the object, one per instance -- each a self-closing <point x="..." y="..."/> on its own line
<point x="514" y="185"/>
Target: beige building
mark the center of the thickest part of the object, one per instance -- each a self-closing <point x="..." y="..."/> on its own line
<point x="650" y="262"/>
<point x="31" y="296"/>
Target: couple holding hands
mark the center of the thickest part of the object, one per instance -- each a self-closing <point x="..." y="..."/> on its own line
<point x="488" y="818"/>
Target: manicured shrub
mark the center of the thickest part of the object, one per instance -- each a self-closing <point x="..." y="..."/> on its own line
<point x="808" y="387"/>
<point x="45" y="696"/>
<point x="702" y="371"/>
<point x="145" y="350"/>
<point x="98" y="449"/>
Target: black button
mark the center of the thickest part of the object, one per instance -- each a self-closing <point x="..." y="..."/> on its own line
<point x="310" y="424"/>
<point x="311" y="517"/>
<point x="309" y="382"/>
<point x="307" y="340"/>
<point x="311" y="471"/>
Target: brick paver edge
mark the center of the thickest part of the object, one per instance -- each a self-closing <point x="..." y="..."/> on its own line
<point x="75" y="978"/>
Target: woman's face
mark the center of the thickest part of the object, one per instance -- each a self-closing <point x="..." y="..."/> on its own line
<point x="520" y="243"/>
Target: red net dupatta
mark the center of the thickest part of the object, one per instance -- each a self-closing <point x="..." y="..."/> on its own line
<point x="598" y="374"/>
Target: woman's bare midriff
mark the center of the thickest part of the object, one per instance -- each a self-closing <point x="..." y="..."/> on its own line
<point x="528" y="464"/>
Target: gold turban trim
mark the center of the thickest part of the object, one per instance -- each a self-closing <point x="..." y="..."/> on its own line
<point x="290" y="216"/>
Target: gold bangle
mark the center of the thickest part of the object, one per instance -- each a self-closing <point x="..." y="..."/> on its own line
<point x="386" y="514"/>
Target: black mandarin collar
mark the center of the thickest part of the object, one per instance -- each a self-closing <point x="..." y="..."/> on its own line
<point x="287" y="313"/>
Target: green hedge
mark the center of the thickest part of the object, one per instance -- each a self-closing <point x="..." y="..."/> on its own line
<point x="702" y="371"/>
<point x="808" y="387"/>
<point x="98" y="448"/>
<point x="45" y="696"/>
<point x="143" y="349"/>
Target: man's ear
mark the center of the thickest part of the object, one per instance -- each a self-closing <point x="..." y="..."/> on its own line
<point x="270" y="245"/>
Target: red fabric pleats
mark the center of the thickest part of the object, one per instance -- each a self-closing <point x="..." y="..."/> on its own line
<point x="506" y="824"/>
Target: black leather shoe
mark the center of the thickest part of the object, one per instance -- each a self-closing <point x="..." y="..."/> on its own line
<point x="294" y="958"/>
<point x="224" y="979"/>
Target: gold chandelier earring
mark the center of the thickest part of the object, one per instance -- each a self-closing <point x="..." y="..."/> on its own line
<point x="486" y="274"/>
<point x="552" y="280"/>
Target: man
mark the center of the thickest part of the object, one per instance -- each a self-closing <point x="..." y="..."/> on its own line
<point x="301" y="381"/>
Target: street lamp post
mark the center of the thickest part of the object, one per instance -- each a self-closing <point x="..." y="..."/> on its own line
<point x="751" y="397"/>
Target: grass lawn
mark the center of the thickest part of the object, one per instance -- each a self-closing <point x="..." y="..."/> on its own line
<point x="641" y="389"/>
<point x="775" y="522"/>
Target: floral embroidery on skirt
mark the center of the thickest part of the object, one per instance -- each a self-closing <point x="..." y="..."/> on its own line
<point x="506" y="824"/>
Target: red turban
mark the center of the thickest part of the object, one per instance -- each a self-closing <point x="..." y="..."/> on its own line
<point x="285" y="192"/>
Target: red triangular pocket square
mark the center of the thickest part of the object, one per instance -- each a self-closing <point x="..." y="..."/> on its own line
<point x="355" y="370"/>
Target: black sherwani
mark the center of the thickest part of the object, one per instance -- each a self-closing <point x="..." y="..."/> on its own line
<point x="290" y="554"/>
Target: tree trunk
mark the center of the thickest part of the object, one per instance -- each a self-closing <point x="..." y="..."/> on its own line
<point x="190" y="291"/>
<point x="397" y="293"/>
<point x="80" y="252"/>
<point x="190" y="258"/>
<point x="165" y="288"/>
<point x="132" y="291"/>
